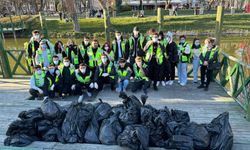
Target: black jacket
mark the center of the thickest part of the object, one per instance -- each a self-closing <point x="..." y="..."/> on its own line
<point x="125" y="55"/>
<point x="172" y="52"/>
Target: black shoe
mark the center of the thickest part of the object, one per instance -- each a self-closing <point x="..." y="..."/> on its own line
<point x="30" y="98"/>
<point x="206" y="88"/>
<point x="201" y="86"/>
<point x="145" y="92"/>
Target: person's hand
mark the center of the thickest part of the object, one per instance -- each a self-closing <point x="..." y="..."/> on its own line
<point x="52" y="87"/>
<point x="40" y="91"/>
<point x="73" y="87"/>
<point x="131" y="78"/>
<point x="91" y="85"/>
<point x="45" y="68"/>
<point x="205" y="63"/>
<point x="96" y="85"/>
<point x="105" y="74"/>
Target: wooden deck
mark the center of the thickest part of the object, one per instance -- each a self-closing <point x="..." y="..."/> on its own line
<point x="202" y="107"/>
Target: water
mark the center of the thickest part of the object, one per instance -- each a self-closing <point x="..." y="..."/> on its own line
<point x="230" y="43"/>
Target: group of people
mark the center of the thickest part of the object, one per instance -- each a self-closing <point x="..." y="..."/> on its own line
<point x="140" y="60"/>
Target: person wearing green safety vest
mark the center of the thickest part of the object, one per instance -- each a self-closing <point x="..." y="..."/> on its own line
<point x="59" y="50"/>
<point x="184" y="58"/>
<point x="56" y="61"/>
<point x="64" y="77"/>
<point x="136" y="45"/>
<point x="120" y="47"/>
<point x="107" y="50"/>
<point x="94" y="54"/>
<point x="141" y="79"/>
<point x="154" y="58"/>
<point x="150" y="34"/>
<point x="82" y="49"/>
<point x="195" y="56"/>
<point x="51" y="76"/>
<point x="83" y="78"/>
<point x="163" y="41"/>
<point x="43" y="55"/>
<point x="31" y="47"/>
<point x="208" y="58"/>
<point x="71" y="53"/>
<point x="123" y="76"/>
<point x="38" y="84"/>
<point x="105" y="73"/>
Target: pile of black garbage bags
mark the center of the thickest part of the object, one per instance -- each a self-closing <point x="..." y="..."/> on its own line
<point x="132" y="124"/>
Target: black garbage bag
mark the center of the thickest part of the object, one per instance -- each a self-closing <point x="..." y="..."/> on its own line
<point x="109" y="130"/>
<point x="181" y="142"/>
<point x="199" y="134"/>
<point x="180" y="116"/>
<point x="135" y="137"/>
<point x="102" y="111"/>
<point x="92" y="132"/>
<point x="147" y="115"/>
<point x="19" y="140"/>
<point x="130" y="101"/>
<point x="52" y="135"/>
<point x="31" y="115"/>
<point x="21" y="127"/>
<point x="163" y="117"/>
<point x="175" y="128"/>
<point x="221" y="133"/>
<point x="118" y="109"/>
<point x="76" y="122"/>
<point x="43" y="127"/>
<point x="130" y="116"/>
<point x="51" y="109"/>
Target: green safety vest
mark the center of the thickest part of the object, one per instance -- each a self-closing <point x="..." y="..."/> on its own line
<point x="159" y="54"/>
<point x="82" y="50"/>
<point x="26" y="47"/>
<point x="164" y="42"/>
<point x="40" y="55"/>
<point x="85" y="79"/>
<point x="38" y="82"/>
<point x="213" y="51"/>
<point x="94" y="60"/>
<point x="122" y="73"/>
<point x="72" y="70"/>
<point x="123" y="44"/>
<point x="184" y="58"/>
<point x="138" y="73"/>
<point x="141" y="40"/>
<point x="74" y="56"/>
<point x="109" y="69"/>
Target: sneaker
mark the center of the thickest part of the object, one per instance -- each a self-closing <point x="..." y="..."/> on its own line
<point x="45" y="97"/>
<point x="179" y="81"/>
<point x="182" y="84"/>
<point x="171" y="82"/>
<point x="206" y="88"/>
<point x="80" y="99"/>
<point x="30" y="98"/>
<point x="163" y="83"/>
<point x="158" y="83"/>
<point x="167" y="82"/>
<point x="201" y="86"/>
<point x="89" y="94"/>
<point x="195" y="82"/>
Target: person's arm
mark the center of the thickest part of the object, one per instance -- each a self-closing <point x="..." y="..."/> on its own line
<point x="96" y="74"/>
<point x="30" y="52"/>
<point x="126" y="50"/>
<point x="33" y="83"/>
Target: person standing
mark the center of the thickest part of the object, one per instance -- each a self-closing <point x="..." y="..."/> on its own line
<point x="43" y="55"/>
<point x="71" y="53"/>
<point x="59" y="49"/>
<point x="172" y="57"/>
<point x="184" y="58"/>
<point x="195" y="56"/>
<point x="120" y="47"/>
<point x="107" y="50"/>
<point x="82" y="50"/>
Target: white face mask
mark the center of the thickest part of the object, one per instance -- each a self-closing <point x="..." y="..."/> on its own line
<point x="56" y="62"/>
<point x="86" y="42"/>
<point x="66" y="64"/>
<point x="136" y="33"/>
<point x="37" y="36"/>
<point x="39" y="72"/>
<point x="155" y="40"/>
<point x="83" y="70"/>
<point x="182" y="41"/>
<point x="118" y="37"/>
<point x="104" y="60"/>
<point x="197" y="43"/>
<point x="106" y="48"/>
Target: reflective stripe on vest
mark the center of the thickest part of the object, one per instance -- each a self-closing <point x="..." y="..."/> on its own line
<point x="141" y="40"/>
<point x="183" y="58"/>
<point x="84" y="80"/>
<point x="74" y="56"/>
<point x="38" y="82"/>
<point x="40" y="55"/>
<point x="122" y="73"/>
<point x="211" y="55"/>
<point x="159" y="55"/>
<point x="94" y="60"/>
<point x="123" y="43"/>
<point x="138" y="73"/>
<point x="109" y="69"/>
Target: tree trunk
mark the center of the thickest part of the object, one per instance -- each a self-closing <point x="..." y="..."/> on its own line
<point x="75" y="22"/>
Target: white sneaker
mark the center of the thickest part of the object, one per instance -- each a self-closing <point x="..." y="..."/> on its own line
<point x="80" y="99"/>
<point x="171" y="82"/>
<point x="45" y="97"/>
<point x="158" y="83"/>
<point x="182" y="84"/>
<point x="89" y="94"/>
<point x="167" y="82"/>
<point x="163" y="83"/>
<point x="179" y="81"/>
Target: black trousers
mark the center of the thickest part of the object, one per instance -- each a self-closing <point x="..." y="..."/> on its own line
<point x="80" y="87"/>
<point x="167" y="70"/>
<point x="206" y="73"/>
<point x="171" y="71"/>
<point x="140" y="84"/>
<point x="105" y="80"/>
<point x="155" y="71"/>
<point x="35" y="93"/>
<point x="64" y="88"/>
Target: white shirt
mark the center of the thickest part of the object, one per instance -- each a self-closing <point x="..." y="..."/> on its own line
<point x="119" y="49"/>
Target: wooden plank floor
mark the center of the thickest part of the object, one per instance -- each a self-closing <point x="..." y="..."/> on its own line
<point x="202" y="107"/>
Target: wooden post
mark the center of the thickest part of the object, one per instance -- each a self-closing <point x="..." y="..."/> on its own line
<point x="219" y="23"/>
<point x="106" y="24"/>
<point x="4" y="61"/>
<point x="13" y="28"/>
<point x="160" y="18"/>
<point x="43" y="25"/>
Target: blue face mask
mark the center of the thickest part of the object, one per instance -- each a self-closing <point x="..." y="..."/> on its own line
<point x="51" y="71"/>
<point x="182" y="41"/>
<point x="44" y="46"/>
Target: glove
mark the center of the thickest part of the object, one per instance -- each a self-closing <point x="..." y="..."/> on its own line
<point x="72" y="66"/>
<point x="52" y="87"/>
<point x="73" y="87"/>
<point x="91" y="85"/>
<point x="96" y="85"/>
<point x="58" y="72"/>
<point x="40" y="91"/>
<point x="105" y="74"/>
<point x="45" y="68"/>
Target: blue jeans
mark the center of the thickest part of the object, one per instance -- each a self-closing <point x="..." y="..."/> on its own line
<point x="182" y="72"/>
<point x="123" y="85"/>
<point x="196" y="65"/>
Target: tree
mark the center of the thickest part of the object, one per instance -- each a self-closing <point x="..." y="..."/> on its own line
<point x="106" y="18"/>
<point x="71" y="9"/>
